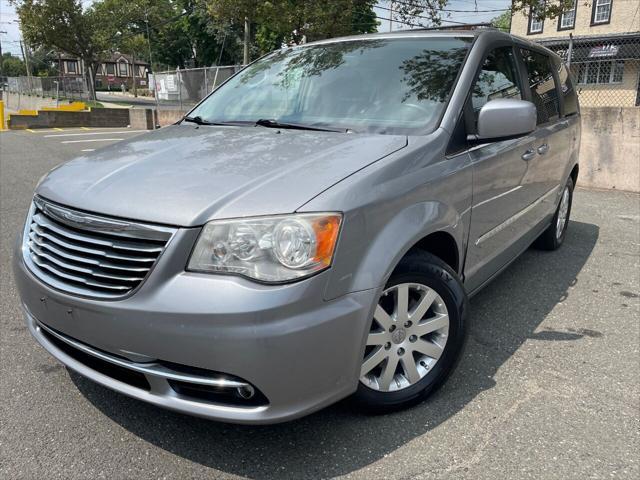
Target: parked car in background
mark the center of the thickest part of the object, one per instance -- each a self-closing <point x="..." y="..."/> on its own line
<point x="311" y="230"/>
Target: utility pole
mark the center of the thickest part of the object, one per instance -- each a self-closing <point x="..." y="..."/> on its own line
<point x="146" y="20"/>
<point x="246" y="40"/>
<point x="390" y="16"/>
<point x="25" y="56"/>
<point x="1" y="33"/>
<point x="85" y="79"/>
<point x="133" y="74"/>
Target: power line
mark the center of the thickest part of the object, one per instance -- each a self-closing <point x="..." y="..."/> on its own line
<point x="164" y="22"/>
<point x="422" y="16"/>
<point x="400" y="21"/>
<point x="419" y="25"/>
<point x="423" y="7"/>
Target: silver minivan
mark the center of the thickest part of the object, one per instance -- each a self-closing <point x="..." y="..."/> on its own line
<point x="310" y="231"/>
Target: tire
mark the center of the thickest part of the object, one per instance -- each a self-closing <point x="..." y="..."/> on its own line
<point x="423" y="275"/>
<point x="552" y="238"/>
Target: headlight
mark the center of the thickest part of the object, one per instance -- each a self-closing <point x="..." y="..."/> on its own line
<point x="269" y="249"/>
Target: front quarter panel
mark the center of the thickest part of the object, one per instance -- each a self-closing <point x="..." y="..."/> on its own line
<point x="391" y="205"/>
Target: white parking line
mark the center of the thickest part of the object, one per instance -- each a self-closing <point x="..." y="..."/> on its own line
<point x="88" y="150"/>
<point x="92" y="133"/>
<point x="94" y="140"/>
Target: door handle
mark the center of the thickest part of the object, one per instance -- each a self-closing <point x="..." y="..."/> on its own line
<point x="528" y="155"/>
<point x="542" y="149"/>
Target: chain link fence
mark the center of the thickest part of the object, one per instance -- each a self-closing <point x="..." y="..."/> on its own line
<point x="182" y="89"/>
<point x="174" y="90"/>
<point x="606" y="70"/>
<point x="63" y="88"/>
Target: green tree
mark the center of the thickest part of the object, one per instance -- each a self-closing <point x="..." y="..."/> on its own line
<point x="502" y="22"/>
<point x="289" y="21"/>
<point x="12" y="66"/>
<point x="542" y="8"/>
<point x="43" y="62"/>
<point x="66" y="26"/>
<point x="418" y="12"/>
<point x="181" y="33"/>
<point x="432" y="12"/>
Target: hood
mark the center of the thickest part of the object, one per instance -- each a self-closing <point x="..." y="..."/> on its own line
<point x="184" y="175"/>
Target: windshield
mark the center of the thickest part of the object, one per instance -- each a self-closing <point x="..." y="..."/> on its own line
<point x="376" y="85"/>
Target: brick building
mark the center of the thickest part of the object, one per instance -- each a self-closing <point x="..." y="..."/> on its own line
<point x="605" y="47"/>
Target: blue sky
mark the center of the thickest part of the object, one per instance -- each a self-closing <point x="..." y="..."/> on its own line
<point x="467" y="13"/>
<point x="11" y="39"/>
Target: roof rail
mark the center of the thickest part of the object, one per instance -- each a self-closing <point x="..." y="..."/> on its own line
<point x="466" y="26"/>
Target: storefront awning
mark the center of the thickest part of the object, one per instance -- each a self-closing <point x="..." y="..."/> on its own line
<point x="606" y="51"/>
<point x="594" y="49"/>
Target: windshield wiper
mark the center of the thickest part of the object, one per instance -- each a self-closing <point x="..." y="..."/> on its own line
<point x="197" y="120"/>
<point x="264" y="122"/>
<point x="271" y="123"/>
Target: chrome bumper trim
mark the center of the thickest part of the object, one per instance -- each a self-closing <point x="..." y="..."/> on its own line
<point x="153" y="369"/>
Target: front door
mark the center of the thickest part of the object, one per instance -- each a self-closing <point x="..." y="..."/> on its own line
<point x="501" y="196"/>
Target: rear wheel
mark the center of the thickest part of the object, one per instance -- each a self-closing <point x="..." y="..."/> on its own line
<point x="416" y="335"/>
<point x="553" y="237"/>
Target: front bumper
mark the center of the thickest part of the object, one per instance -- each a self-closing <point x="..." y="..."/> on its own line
<point x="301" y="352"/>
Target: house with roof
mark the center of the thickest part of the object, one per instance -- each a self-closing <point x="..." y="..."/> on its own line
<point x="114" y="71"/>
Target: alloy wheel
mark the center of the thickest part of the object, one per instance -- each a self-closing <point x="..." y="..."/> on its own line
<point x="563" y="212"/>
<point x="407" y="338"/>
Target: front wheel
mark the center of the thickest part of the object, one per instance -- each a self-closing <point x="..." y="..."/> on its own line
<point x="416" y="336"/>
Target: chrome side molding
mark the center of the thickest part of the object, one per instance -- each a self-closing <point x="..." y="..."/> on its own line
<point x="513" y="219"/>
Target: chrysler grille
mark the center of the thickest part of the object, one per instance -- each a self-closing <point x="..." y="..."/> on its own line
<point x="89" y="255"/>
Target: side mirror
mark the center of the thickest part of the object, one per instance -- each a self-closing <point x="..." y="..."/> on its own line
<point x="506" y="118"/>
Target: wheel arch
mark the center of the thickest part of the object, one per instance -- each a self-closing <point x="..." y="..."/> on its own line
<point x="574" y="174"/>
<point x="432" y="226"/>
<point x="441" y="244"/>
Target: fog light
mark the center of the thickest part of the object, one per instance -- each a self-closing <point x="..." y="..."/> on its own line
<point x="246" y="392"/>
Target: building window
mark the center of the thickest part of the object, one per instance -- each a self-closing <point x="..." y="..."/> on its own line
<point x="600" y="73"/>
<point x="601" y="11"/>
<point x="71" y="67"/>
<point x="111" y="68"/>
<point x="122" y="69"/>
<point x="568" y="18"/>
<point x="536" y="24"/>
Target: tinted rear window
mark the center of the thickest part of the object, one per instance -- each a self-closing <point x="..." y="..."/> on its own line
<point x="543" y="88"/>
<point x="567" y="89"/>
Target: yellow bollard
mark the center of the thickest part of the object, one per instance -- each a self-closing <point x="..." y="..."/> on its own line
<point x="2" y="127"/>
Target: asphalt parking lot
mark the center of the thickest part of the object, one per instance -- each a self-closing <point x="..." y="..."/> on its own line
<point x="549" y="386"/>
